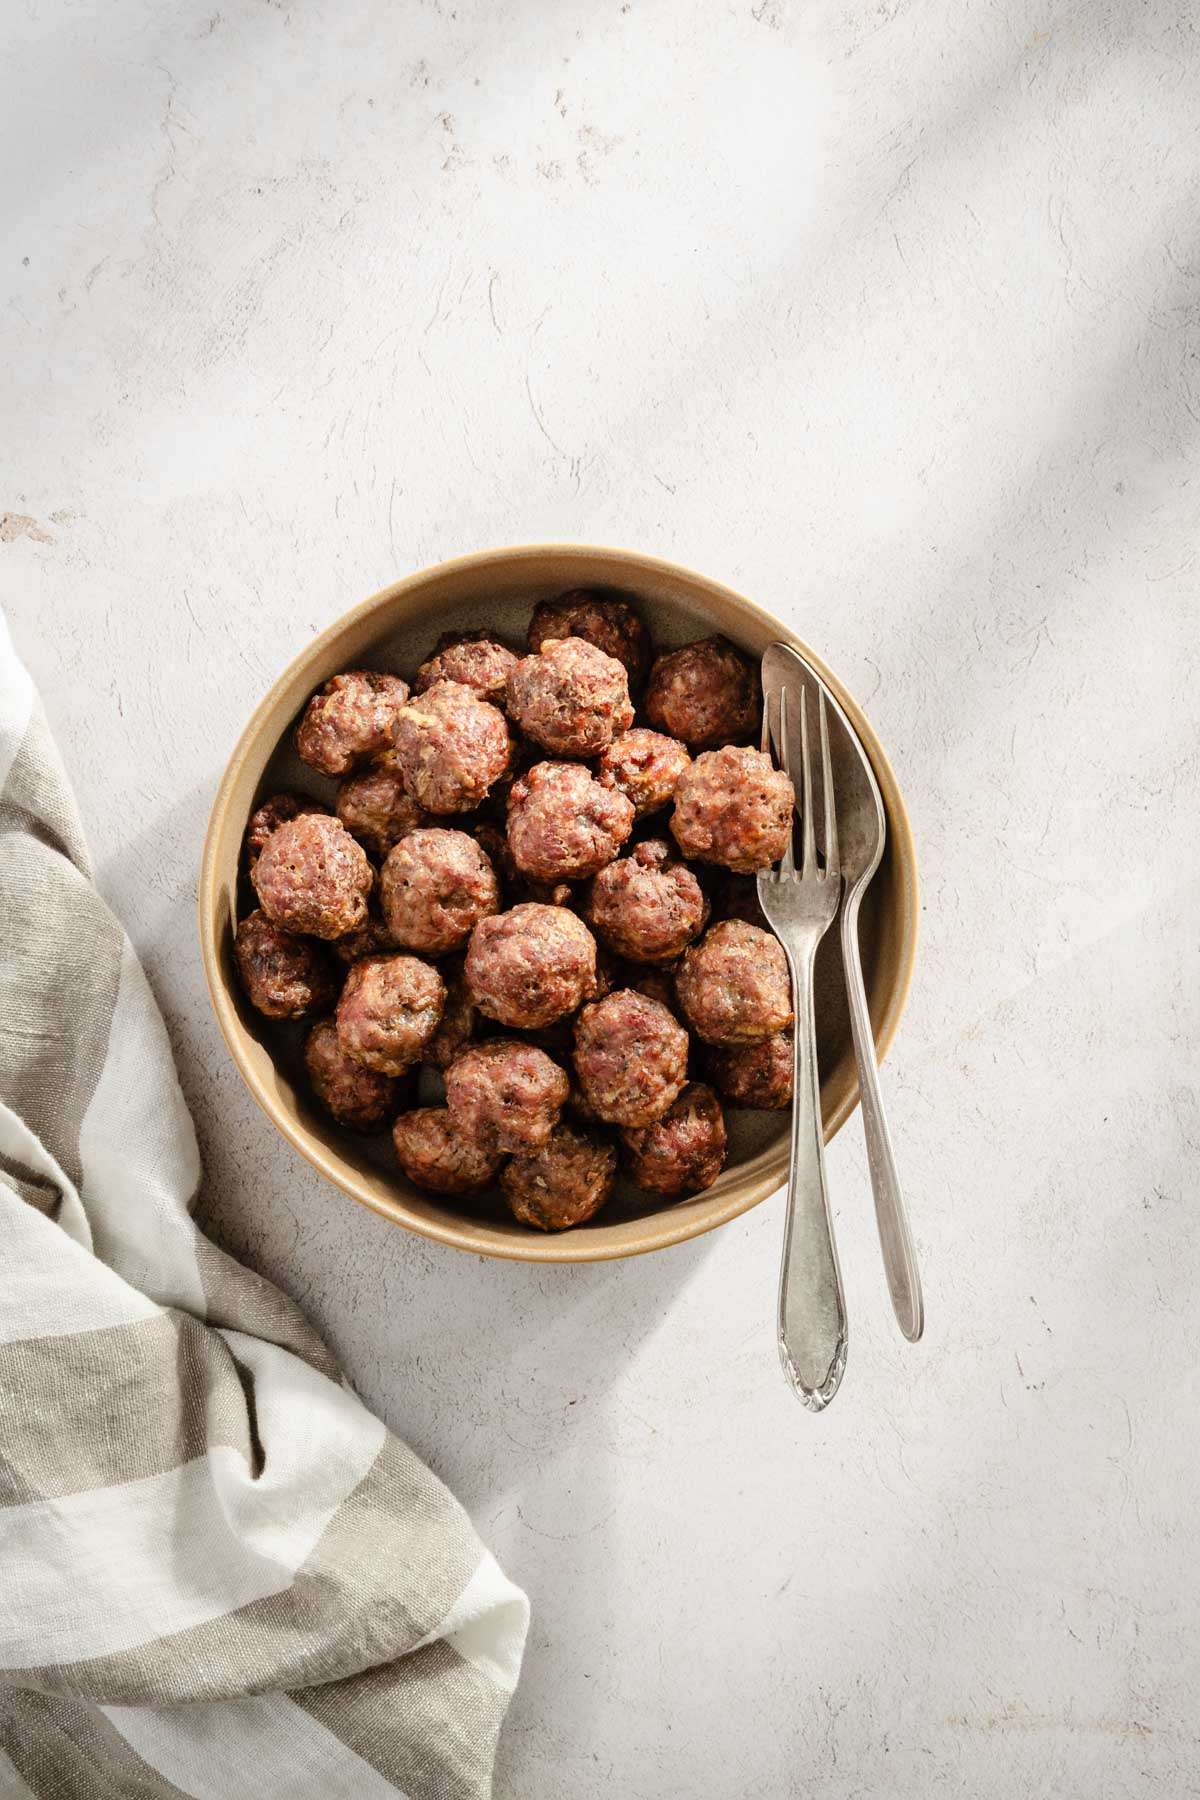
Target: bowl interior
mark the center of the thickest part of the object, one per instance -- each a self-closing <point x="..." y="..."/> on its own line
<point x="396" y="630"/>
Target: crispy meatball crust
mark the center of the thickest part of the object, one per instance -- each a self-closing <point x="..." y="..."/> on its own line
<point x="645" y="766"/>
<point x="564" y="1183"/>
<point x="630" y="1056"/>
<point x="313" y="878"/>
<point x="361" y="1099"/>
<point x="734" y="985"/>
<point x="436" y="1154"/>
<point x="471" y="658"/>
<point x="434" y="888"/>
<point x="734" y="807"/>
<point x="647" y="906"/>
<point x="457" y="1026"/>
<point x="757" y="1075"/>
<point x="267" y="817"/>
<point x="705" y="693"/>
<point x="611" y="625"/>
<point x="376" y="808"/>
<point x="507" y="1093"/>
<point x="284" y="977"/>
<point x="683" y="1152"/>
<point x="529" y="966"/>
<point x="562" y="825"/>
<point x="389" y="1009"/>
<point x="571" y="698"/>
<point x="450" y="747"/>
<point x="349" y="720"/>
<point x="371" y="939"/>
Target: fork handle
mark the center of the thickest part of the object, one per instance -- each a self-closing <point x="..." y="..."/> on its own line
<point x="812" y="1307"/>
<point x="895" y="1238"/>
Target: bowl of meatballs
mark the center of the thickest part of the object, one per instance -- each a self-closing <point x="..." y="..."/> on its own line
<point x="478" y="908"/>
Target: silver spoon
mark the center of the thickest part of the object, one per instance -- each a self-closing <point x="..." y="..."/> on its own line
<point x="862" y="832"/>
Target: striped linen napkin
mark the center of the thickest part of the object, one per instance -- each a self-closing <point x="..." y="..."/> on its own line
<point x="220" y="1576"/>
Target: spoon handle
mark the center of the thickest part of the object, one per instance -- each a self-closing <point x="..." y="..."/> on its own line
<point x="895" y="1239"/>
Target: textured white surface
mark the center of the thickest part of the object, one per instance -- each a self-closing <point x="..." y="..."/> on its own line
<point x="888" y="315"/>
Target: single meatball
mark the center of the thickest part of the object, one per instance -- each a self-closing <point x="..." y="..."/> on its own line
<point x="450" y="747"/>
<point x="734" y="986"/>
<point x="529" y="966"/>
<point x="706" y="693"/>
<point x="284" y="976"/>
<point x="313" y="878"/>
<point x="371" y="939"/>
<point x="349" y="719"/>
<point x="457" y="1026"/>
<point x="570" y="697"/>
<point x="645" y="766"/>
<point x="268" y="817"/>
<point x="611" y="625"/>
<point x="361" y="1099"/>
<point x="683" y="1152"/>
<point x="434" y="888"/>
<point x="562" y="825"/>
<point x="506" y="1093"/>
<point x="564" y="1183"/>
<point x="435" y="1153"/>
<point x="630" y="1056"/>
<point x="375" y="807"/>
<point x="757" y="1075"/>
<point x="734" y="807"/>
<point x="647" y="906"/>
<point x="390" y="1008"/>
<point x="471" y="658"/>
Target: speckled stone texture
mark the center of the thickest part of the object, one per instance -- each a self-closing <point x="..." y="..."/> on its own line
<point x="888" y="315"/>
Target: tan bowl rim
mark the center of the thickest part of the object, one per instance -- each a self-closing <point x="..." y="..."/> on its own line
<point x="673" y="1225"/>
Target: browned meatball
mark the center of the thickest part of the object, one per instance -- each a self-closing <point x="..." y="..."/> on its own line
<point x="571" y="698"/>
<point x="647" y="906"/>
<point x="630" y="1056"/>
<point x="313" y="878"/>
<point x="349" y="719"/>
<point x="683" y="1152"/>
<point x="734" y="985"/>
<point x="450" y="747"/>
<point x="371" y="939"/>
<point x="656" y="984"/>
<point x="562" y="825"/>
<point x="375" y="807"/>
<point x="706" y="693"/>
<point x="734" y="807"/>
<point x="612" y="625"/>
<point x="645" y="766"/>
<point x="564" y="1183"/>
<point x="435" y="1152"/>
<point x="529" y="966"/>
<point x="284" y="976"/>
<point x="358" y="1098"/>
<point x="457" y="1026"/>
<point x="390" y="1008"/>
<point x="268" y="817"/>
<point x="507" y="1093"/>
<point x="434" y="888"/>
<point x="757" y="1075"/>
<point x="472" y="658"/>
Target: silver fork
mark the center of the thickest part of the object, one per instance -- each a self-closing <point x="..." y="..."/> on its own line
<point x="800" y="905"/>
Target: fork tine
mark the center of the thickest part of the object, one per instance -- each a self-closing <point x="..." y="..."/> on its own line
<point x="787" y="862"/>
<point x="808" y="859"/>
<point x="832" y="864"/>
<point x="765" y="737"/>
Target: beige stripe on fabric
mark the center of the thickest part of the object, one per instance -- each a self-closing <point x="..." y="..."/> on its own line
<point x="244" y="1300"/>
<point x="102" y="1407"/>
<point x="60" y="956"/>
<point x="65" y="1750"/>
<point x="429" y="1723"/>
<point x="11" y="1785"/>
<point x="389" y="1566"/>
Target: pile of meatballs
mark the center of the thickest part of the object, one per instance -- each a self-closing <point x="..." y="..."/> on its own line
<point x="542" y="899"/>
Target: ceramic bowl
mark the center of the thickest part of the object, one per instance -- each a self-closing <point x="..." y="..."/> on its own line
<point x="396" y="628"/>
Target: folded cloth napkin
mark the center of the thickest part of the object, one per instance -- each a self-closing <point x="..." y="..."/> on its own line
<point x="194" y="1508"/>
